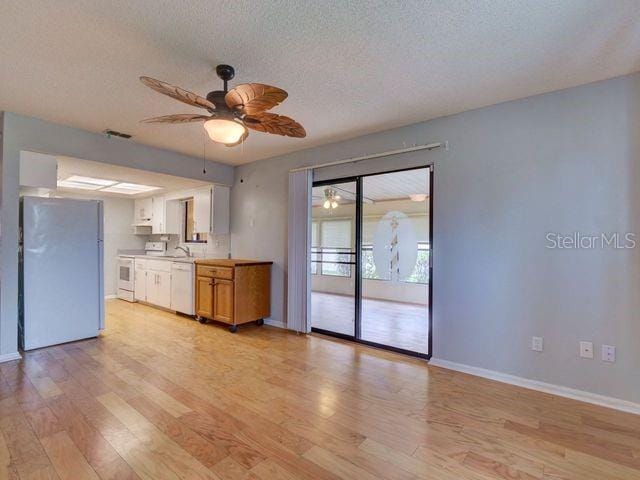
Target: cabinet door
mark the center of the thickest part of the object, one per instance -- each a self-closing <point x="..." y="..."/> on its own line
<point x="202" y="210"/>
<point x="140" y="285"/>
<point x="158" y="220"/>
<point x="172" y="217"/>
<point x="143" y="210"/>
<point x="152" y="287"/>
<point x="164" y="289"/>
<point x="223" y="300"/>
<point x="204" y="297"/>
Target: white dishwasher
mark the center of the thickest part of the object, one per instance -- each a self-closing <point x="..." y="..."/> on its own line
<point x="182" y="296"/>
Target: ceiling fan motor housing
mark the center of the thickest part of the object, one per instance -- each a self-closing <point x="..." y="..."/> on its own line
<point x="217" y="98"/>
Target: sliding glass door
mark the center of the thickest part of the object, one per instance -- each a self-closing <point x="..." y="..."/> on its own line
<point x="371" y="259"/>
<point x="395" y="260"/>
<point x="333" y="257"/>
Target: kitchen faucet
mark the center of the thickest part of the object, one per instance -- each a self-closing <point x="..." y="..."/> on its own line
<point x="184" y="249"/>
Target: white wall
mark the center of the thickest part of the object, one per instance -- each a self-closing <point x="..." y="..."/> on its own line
<point x="566" y="161"/>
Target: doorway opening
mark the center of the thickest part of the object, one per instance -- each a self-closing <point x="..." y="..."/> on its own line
<point x="371" y="259"/>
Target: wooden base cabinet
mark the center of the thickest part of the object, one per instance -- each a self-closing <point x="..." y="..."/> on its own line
<point x="204" y="297"/>
<point x="233" y="291"/>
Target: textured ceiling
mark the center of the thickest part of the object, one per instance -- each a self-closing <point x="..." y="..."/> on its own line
<point x="350" y="67"/>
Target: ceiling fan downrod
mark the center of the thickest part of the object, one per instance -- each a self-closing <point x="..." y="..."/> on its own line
<point x="225" y="73"/>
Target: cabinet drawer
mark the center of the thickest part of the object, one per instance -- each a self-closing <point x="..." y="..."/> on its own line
<point x="159" y="265"/>
<point x="225" y="273"/>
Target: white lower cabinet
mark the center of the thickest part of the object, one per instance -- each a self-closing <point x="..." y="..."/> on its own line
<point x="159" y="288"/>
<point x="158" y="283"/>
<point x="152" y="282"/>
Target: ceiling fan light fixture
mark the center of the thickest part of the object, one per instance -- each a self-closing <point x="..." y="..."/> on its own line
<point x="327" y="204"/>
<point x="418" y="197"/>
<point x="225" y="131"/>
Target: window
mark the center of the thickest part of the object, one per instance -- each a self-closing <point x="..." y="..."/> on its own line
<point x="331" y="247"/>
<point x="189" y="235"/>
<point x="420" y="272"/>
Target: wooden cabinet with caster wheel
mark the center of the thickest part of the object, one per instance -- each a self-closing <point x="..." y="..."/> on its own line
<point x="233" y="291"/>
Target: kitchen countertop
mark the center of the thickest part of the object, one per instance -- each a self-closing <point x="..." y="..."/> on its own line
<point x="229" y="262"/>
<point x="165" y="258"/>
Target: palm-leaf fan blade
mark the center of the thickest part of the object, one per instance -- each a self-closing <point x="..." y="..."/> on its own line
<point x="276" y="124"/>
<point x="178" y="93"/>
<point x="254" y="98"/>
<point x="177" y="118"/>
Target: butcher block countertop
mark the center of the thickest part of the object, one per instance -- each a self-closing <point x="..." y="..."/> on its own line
<point x="229" y="262"/>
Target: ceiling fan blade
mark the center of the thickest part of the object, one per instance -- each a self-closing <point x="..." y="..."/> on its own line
<point x="178" y="93"/>
<point x="254" y="98"/>
<point x="177" y="118"/>
<point x="276" y="124"/>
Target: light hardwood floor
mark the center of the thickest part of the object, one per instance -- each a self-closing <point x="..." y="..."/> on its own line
<point x="160" y="396"/>
<point x="401" y="325"/>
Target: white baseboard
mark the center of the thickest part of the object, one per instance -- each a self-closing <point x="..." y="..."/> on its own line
<point x="109" y="297"/>
<point x="274" y="323"/>
<point x="588" y="397"/>
<point x="7" y="357"/>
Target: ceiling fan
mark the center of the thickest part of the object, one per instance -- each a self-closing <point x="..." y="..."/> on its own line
<point x="231" y="112"/>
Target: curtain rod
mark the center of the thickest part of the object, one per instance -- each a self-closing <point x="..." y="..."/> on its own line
<point x="429" y="146"/>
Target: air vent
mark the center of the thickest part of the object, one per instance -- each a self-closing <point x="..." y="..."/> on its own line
<point x="113" y="133"/>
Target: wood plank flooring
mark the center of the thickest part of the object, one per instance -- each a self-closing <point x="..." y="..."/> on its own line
<point x="159" y="396"/>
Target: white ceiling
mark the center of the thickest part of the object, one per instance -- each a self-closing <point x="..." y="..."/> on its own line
<point x="388" y="186"/>
<point x="68" y="167"/>
<point x="350" y="67"/>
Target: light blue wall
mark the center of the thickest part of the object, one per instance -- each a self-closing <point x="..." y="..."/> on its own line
<point x="25" y="133"/>
<point x="561" y="162"/>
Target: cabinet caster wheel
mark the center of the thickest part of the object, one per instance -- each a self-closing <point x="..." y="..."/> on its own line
<point x="233" y="328"/>
<point x="202" y="320"/>
<point x="260" y="322"/>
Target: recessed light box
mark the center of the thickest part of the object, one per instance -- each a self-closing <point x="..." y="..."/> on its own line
<point x="129" y="188"/>
<point x="85" y="183"/>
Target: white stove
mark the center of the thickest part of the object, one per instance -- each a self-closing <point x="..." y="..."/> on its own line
<point x="155" y="249"/>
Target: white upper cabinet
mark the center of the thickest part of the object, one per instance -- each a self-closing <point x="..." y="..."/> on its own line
<point x="165" y="216"/>
<point x="211" y="210"/>
<point x="158" y="221"/>
<point x="143" y="212"/>
<point x="202" y="210"/>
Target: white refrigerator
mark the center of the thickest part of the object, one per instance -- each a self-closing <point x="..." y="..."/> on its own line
<point x="61" y="271"/>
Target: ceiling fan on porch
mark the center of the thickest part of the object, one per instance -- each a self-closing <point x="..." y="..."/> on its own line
<point x="231" y="112"/>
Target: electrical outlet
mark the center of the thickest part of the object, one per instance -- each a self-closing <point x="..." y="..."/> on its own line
<point x="608" y="353"/>
<point x="586" y="349"/>
<point x="537" y="344"/>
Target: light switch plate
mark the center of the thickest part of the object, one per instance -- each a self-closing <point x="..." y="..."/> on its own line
<point x="537" y="344"/>
<point x="608" y="353"/>
<point x="586" y="349"/>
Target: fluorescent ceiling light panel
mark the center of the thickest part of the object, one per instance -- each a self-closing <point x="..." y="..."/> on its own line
<point x="129" y="188"/>
<point x="85" y="183"/>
